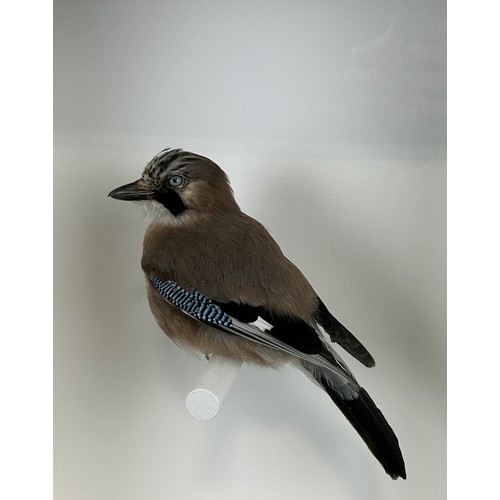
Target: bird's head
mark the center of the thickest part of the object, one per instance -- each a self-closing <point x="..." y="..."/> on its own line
<point x="178" y="185"/>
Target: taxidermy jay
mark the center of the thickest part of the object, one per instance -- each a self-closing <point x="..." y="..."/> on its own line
<point x="217" y="282"/>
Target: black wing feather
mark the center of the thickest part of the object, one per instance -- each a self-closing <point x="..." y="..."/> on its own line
<point x="342" y="336"/>
<point x="290" y="329"/>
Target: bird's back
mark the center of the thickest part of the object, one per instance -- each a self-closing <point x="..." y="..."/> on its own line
<point x="231" y="258"/>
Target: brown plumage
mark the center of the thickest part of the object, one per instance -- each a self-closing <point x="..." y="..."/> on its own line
<point x="200" y="239"/>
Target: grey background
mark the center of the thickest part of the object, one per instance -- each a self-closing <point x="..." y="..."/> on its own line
<point x="329" y="118"/>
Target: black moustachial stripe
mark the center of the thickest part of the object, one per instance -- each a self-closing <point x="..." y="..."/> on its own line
<point x="171" y="201"/>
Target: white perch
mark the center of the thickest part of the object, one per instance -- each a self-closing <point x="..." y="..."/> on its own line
<point x="212" y="386"/>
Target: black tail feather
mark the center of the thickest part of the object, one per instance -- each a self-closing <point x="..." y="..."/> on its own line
<point x="372" y="426"/>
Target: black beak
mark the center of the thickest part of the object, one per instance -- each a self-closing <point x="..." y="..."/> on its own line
<point x="134" y="191"/>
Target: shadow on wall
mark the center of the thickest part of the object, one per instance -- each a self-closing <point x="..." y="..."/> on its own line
<point x="382" y="285"/>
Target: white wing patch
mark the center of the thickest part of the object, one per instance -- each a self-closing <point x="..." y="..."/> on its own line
<point x="262" y="324"/>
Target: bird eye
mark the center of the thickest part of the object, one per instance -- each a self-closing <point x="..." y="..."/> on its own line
<point x="175" y="181"/>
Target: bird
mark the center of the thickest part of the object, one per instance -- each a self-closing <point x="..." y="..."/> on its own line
<point x="219" y="284"/>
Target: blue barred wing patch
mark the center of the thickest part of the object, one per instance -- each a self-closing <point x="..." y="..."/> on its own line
<point x="193" y="303"/>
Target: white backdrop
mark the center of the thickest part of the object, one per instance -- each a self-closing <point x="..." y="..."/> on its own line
<point x="329" y="118"/>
